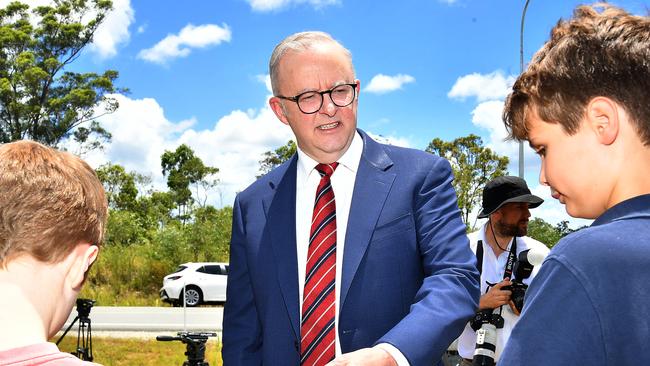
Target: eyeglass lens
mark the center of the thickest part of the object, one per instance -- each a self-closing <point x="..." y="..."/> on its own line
<point x="311" y="102"/>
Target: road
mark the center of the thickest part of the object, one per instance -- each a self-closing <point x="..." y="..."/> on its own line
<point x="146" y="321"/>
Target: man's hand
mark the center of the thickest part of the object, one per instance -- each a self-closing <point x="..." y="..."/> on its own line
<point x="496" y="296"/>
<point x="513" y="308"/>
<point x="365" y="357"/>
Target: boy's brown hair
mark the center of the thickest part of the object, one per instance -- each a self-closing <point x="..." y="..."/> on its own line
<point x="50" y="201"/>
<point x="596" y="53"/>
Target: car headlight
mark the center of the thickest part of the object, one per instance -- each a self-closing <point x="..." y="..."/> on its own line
<point x="174" y="278"/>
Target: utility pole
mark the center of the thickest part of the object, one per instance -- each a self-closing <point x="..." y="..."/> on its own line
<point x="521" y="70"/>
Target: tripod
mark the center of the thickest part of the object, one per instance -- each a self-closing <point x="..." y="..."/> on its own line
<point x="84" y="338"/>
<point x="195" y="342"/>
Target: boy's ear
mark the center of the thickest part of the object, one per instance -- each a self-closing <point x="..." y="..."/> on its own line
<point x="85" y="256"/>
<point x="603" y="117"/>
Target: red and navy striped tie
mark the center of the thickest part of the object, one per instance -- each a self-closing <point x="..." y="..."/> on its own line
<point x="317" y="333"/>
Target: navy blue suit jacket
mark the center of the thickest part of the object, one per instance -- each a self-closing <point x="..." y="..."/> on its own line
<point x="408" y="278"/>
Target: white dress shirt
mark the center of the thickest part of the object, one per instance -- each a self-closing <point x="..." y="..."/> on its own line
<point x="343" y="178"/>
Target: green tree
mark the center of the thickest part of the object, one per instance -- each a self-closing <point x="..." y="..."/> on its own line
<point x="125" y="228"/>
<point x="209" y="234"/>
<point x="120" y="186"/>
<point x="39" y="99"/>
<point x="156" y="210"/>
<point x="473" y="165"/>
<point x="548" y="234"/>
<point x="541" y="230"/>
<point x="182" y="169"/>
<point x="271" y="159"/>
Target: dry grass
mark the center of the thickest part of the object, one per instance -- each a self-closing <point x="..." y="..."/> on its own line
<point x="141" y="352"/>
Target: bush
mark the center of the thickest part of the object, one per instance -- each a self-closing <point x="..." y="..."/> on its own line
<point x="130" y="272"/>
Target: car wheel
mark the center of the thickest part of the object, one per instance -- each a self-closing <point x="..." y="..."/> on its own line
<point x="193" y="296"/>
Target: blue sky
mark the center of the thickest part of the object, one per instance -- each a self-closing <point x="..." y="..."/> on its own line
<point x="197" y="74"/>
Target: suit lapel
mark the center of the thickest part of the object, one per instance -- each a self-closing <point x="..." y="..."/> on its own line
<point x="371" y="187"/>
<point x="281" y="219"/>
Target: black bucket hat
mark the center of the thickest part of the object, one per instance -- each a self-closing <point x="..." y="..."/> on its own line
<point x="502" y="190"/>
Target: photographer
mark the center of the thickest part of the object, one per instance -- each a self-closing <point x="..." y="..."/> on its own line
<point x="52" y="216"/>
<point x="498" y="244"/>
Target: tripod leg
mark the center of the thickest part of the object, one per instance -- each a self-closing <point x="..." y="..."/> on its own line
<point x="84" y="351"/>
<point x="67" y="329"/>
<point x="90" y="342"/>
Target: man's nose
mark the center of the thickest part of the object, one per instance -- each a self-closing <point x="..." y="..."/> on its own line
<point x="328" y="107"/>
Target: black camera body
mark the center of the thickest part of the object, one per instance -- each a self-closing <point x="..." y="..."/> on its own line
<point x="195" y="346"/>
<point x="522" y="270"/>
<point x="84" y="306"/>
<point x="518" y="293"/>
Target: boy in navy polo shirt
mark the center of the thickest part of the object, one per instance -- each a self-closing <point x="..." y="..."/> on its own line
<point x="583" y="104"/>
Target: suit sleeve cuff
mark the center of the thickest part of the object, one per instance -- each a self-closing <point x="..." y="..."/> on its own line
<point x="395" y="353"/>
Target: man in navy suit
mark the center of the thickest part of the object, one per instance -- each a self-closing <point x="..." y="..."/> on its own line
<point x="402" y="281"/>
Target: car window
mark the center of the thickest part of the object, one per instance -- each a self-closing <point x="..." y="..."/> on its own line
<point x="226" y="269"/>
<point x="180" y="268"/>
<point x="202" y="269"/>
<point x="215" y="270"/>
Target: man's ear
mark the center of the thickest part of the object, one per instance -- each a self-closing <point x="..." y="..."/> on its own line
<point x="278" y="109"/>
<point x="603" y="117"/>
<point x="85" y="256"/>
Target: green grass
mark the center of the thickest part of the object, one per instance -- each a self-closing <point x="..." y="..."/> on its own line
<point x="107" y="295"/>
<point x="141" y="352"/>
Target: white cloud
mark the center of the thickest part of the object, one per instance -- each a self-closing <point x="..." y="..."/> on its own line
<point x="492" y="86"/>
<point x="235" y="144"/>
<point x="381" y="83"/>
<point x="181" y="44"/>
<point x="273" y="5"/>
<point x="142" y="28"/>
<point x="390" y="139"/>
<point x="266" y="80"/>
<point x="114" y="30"/>
<point x="490" y="90"/>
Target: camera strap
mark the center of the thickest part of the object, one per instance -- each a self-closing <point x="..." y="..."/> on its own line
<point x="510" y="263"/>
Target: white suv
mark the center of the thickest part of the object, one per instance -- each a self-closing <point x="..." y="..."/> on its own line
<point x="203" y="282"/>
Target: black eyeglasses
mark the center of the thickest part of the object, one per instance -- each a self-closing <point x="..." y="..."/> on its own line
<point x="311" y="102"/>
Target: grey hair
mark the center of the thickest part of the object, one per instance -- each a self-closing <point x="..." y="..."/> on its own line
<point x="298" y="42"/>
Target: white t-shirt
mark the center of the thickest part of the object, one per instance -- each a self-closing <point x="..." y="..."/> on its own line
<point x="492" y="271"/>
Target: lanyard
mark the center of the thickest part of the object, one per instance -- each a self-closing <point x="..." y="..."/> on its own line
<point x="510" y="264"/>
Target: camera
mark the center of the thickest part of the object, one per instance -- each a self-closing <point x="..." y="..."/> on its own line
<point x="526" y="261"/>
<point x="485" y="323"/>
<point x="486" y="316"/>
<point x="84" y="306"/>
<point x="195" y="346"/>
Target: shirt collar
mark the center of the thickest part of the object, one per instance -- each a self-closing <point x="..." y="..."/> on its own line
<point x="634" y="207"/>
<point x="350" y="159"/>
